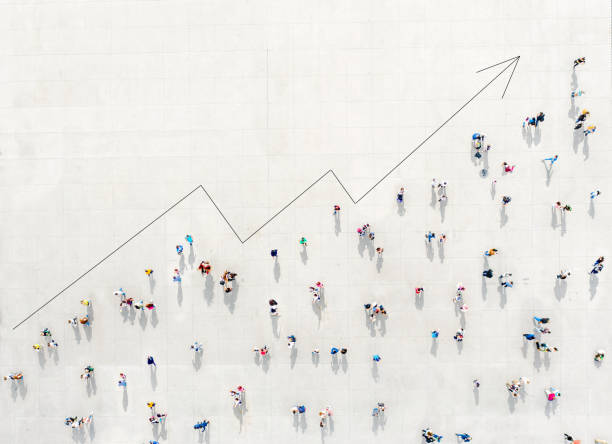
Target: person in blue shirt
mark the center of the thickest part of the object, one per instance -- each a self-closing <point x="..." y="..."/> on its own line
<point x="202" y="425"/>
<point x="464" y="436"/>
<point x="529" y="336"/>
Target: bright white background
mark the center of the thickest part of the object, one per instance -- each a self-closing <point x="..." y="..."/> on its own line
<point x="111" y="111"/>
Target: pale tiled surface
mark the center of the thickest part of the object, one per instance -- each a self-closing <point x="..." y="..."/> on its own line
<point x="112" y="111"/>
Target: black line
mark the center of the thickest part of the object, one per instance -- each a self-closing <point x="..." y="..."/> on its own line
<point x="511" y="58"/>
<point x="107" y="256"/>
<point x="511" y="74"/>
<point x="344" y="188"/>
<point x="221" y="213"/>
<point x="515" y="62"/>
<point x="286" y="206"/>
<point x="436" y="130"/>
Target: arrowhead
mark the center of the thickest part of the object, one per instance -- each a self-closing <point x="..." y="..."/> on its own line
<point x="509" y="62"/>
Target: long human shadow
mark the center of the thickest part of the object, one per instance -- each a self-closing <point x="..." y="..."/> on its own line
<point x="209" y="289"/>
<point x="560" y="289"/>
<point x="276" y="270"/>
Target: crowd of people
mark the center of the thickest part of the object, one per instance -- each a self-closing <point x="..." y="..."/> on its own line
<point x="374" y="311"/>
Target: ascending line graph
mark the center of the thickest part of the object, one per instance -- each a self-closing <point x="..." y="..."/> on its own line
<point x="511" y="62"/>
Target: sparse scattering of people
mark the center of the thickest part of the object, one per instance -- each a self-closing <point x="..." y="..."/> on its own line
<point x="336" y="318"/>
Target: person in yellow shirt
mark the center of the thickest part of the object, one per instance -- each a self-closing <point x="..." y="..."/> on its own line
<point x="491" y="252"/>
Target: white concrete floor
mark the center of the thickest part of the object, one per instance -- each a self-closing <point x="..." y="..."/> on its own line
<point x="112" y="111"/>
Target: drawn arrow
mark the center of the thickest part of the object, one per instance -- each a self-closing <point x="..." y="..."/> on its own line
<point x="509" y="62"/>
